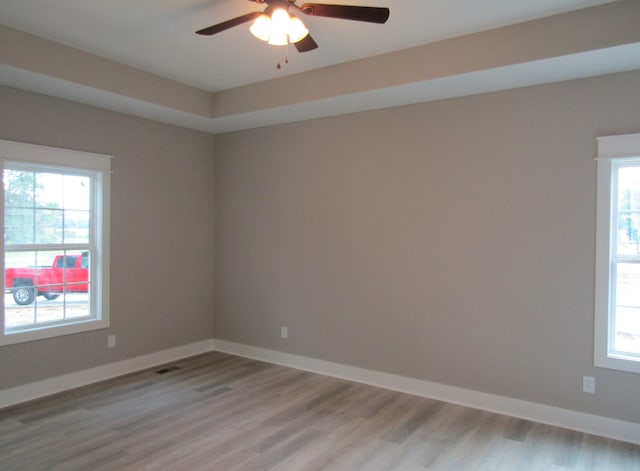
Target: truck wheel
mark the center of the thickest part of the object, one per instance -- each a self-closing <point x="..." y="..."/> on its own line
<point x="23" y="295"/>
<point x="51" y="296"/>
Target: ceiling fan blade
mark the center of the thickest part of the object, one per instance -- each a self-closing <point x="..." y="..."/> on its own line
<point x="347" y="12"/>
<point x="229" y="24"/>
<point x="306" y="44"/>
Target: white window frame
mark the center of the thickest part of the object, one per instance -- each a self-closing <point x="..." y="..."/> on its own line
<point x="99" y="166"/>
<point x="613" y="151"/>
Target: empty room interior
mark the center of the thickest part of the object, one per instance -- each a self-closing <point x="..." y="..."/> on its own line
<point x="409" y="240"/>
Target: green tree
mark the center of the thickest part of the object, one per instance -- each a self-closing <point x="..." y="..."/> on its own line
<point x="23" y="223"/>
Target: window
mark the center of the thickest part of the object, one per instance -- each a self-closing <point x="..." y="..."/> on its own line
<point x="56" y="246"/>
<point x="617" y="303"/>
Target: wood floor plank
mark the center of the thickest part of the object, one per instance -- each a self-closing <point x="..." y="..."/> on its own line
<point x="221" y="412"/>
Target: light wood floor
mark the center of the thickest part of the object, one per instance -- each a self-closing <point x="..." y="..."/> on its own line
<point x="220" y="412"/>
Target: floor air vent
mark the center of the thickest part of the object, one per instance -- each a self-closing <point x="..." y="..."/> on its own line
<point x="167" y="370"/>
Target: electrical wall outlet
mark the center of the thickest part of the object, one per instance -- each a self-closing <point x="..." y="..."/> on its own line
<point x="111" y="341"/>
<point x="284" y="332"/>
<point x="589" y="384"/>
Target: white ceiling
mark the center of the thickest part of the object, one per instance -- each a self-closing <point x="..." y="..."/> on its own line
<point x="158" y="35"/>
<point x="358" y="66"/>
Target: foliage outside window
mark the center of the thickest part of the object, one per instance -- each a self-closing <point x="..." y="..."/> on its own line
<point x="55" y="242"/>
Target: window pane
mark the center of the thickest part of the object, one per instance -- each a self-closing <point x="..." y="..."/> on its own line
<point x="76" y="227"/>
<point x="16" y="315"/>
<point x="49" y="226"/>
<point x="49" y="190"/>
<point x="19" y="308"/>
<point x="49" y="275"/>
<point x="18" y="226"/>
<point x="19" y="259"/>
<point x="629" y="189"/>
<point x="19" y="188"/>
<point x="628" y="234"/>
<point x="76" y="272"/>
<point x="627" y="309"/>
<point x="77" y="305"/>
<point x="77" y="191"/>
<point x="48" y="311"/>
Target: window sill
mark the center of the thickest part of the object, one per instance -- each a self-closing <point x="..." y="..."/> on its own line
<point x="39" y="333"/>
<point x="621" y="363"/>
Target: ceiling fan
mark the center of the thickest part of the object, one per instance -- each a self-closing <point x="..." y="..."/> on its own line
<point x="278" y="27"/>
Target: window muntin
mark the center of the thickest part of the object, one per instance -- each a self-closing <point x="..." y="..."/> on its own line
<point x="617" y="321"/>
<point x="55" y="242"/>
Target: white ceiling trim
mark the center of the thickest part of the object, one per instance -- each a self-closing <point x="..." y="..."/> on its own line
<point x="585" y="43"/>
<point x="588" y="64"/>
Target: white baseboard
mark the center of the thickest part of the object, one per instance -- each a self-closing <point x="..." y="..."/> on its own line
<point x="46" y="387"/>
<point x="579" y="421"/>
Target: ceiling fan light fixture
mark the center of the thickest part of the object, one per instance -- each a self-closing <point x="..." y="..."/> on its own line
<point x="297" y="30"/>
<point x="280" y="19"/>
<point x="279" y="27"/>
<point x="261" y="27"/>
<point x="278" y="38"/>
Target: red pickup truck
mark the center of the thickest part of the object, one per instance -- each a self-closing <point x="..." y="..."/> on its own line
<point x="68" y="274"/>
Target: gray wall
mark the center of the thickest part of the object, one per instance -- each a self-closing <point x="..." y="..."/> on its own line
<point x="161" y="236"/>
<point x="451" y="241"/>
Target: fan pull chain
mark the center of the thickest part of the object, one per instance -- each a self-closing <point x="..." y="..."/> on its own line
<point x="286" y="57"/>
